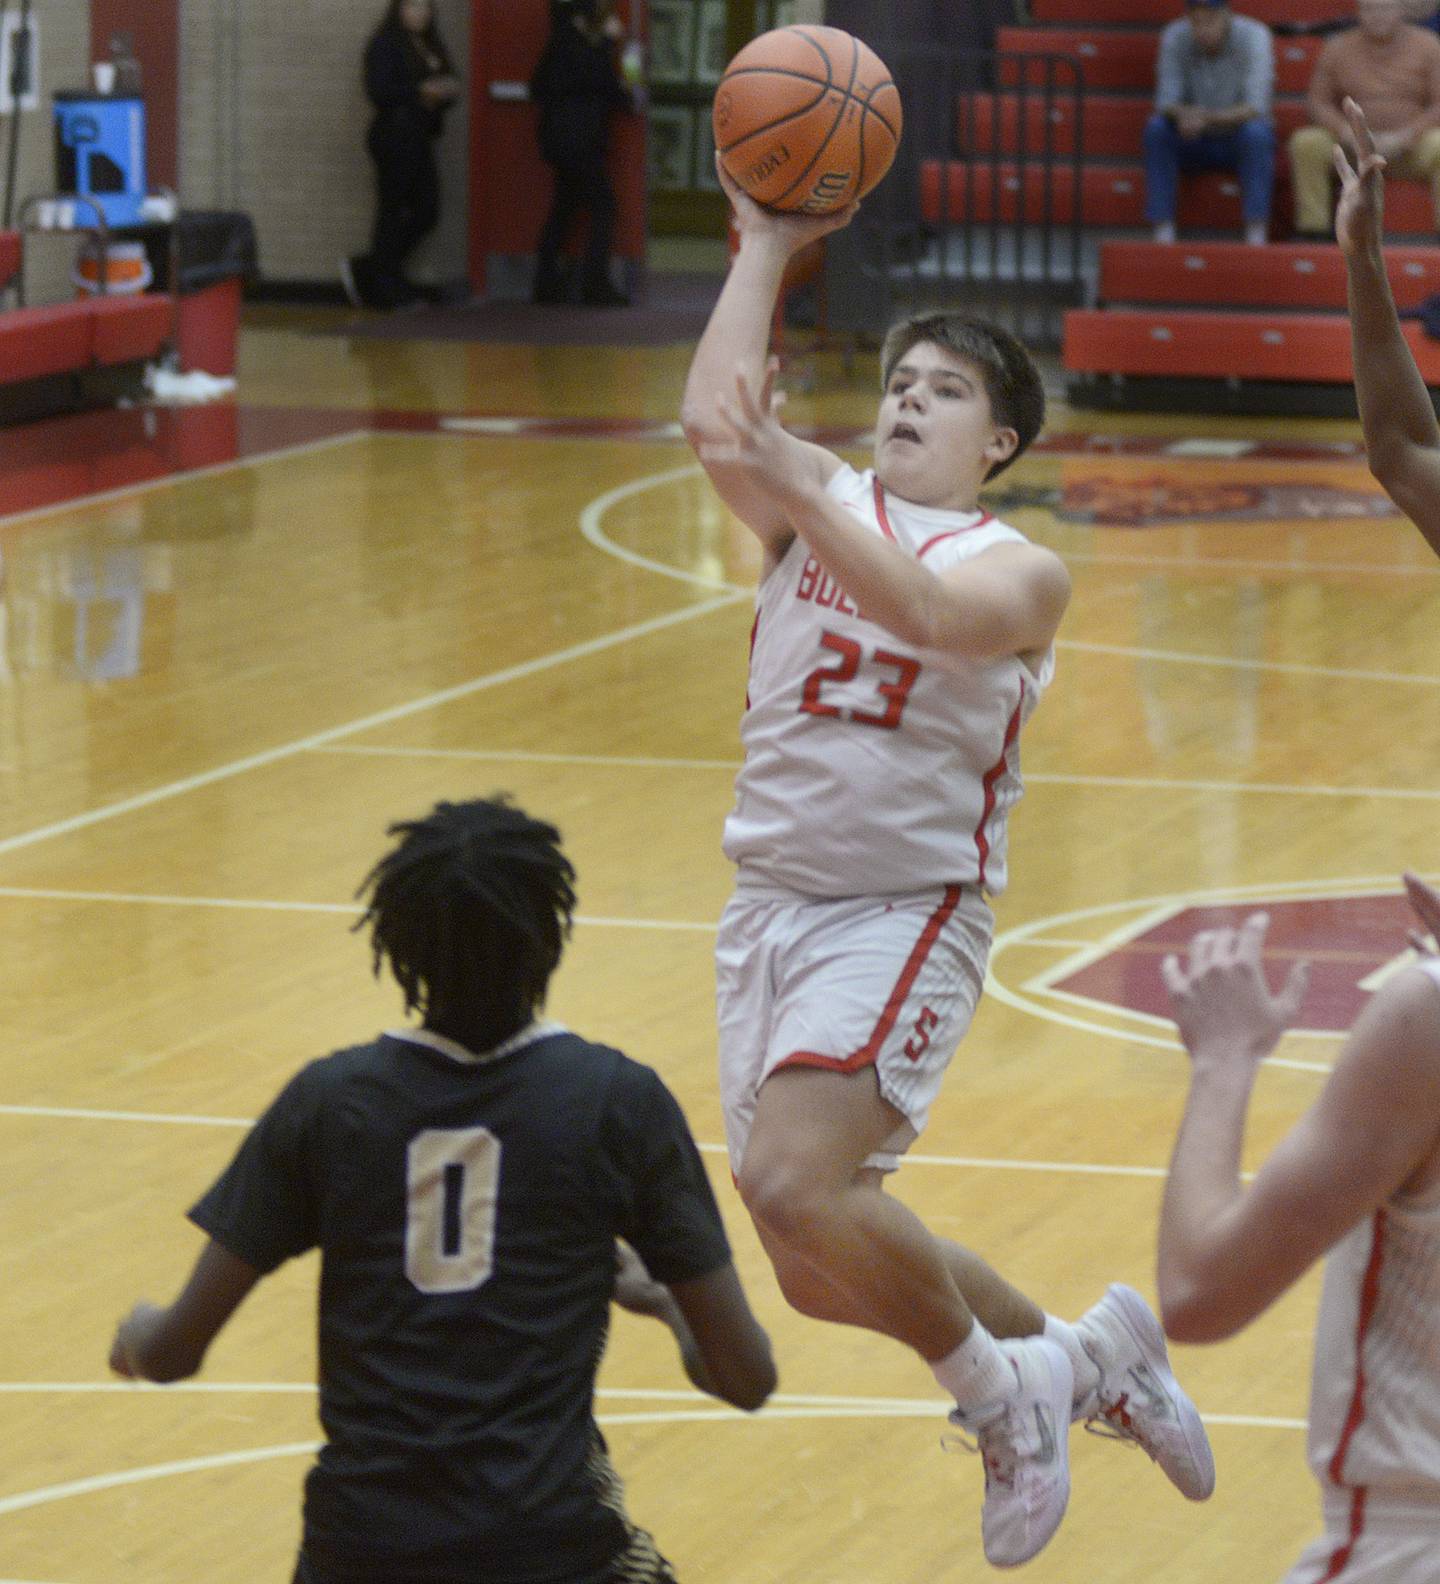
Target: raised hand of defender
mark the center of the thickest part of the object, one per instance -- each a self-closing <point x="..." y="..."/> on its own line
<point x="757" y="441"/>
<point x="1425" y="900"/>
<point x="795" y="231"/>
<point x="1224" y="1008"/>
<point x="1360" y="213"/>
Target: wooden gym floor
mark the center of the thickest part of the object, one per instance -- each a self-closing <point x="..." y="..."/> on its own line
<point x="400" y="583"/>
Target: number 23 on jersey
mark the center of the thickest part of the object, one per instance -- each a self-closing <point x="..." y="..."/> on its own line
<point x="893" y="675"/>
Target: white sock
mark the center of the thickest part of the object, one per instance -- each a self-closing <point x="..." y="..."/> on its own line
<point x="1087" y="1375"/>
<point x="976" y="1373"/>
<point x="1256" y="233"/>
<point x="1164" y="231"/>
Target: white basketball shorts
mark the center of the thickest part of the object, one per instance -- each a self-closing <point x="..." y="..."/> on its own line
<point x="887" y="982"/>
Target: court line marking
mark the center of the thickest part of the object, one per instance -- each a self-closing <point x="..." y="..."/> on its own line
<point x="1238" y="663"/>
<point x="1238" y="564"/>
<point x="46" y="1494"/>
<point x="900" y="1406"/>
<point x="591" y="531"/>
<point x="836" y="1404"/>
<point x="187" y="1119"/>
<point x="170" y="480"/>
<point x="269" y="756"/>
<point x="1032" y="777"/>
<point x="528" y="756"/>
<point x="267" y="905"/>
<point x="1298" y="889"/>
<point x="1027" y="934"/>
<point x="594" y="534"/>
<point x="590" y="519"/>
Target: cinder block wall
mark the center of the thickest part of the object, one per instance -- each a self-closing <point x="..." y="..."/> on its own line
<point x="272" y="122"/>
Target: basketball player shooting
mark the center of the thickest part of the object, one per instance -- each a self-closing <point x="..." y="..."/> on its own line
<point x="902" y="637"/>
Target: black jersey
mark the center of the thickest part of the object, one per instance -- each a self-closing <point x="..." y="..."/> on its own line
<point x="466" y="1210"/>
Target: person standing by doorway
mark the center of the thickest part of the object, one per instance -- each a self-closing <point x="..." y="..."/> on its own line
<point x="577" y="85"/>
<point x="410" y="81"/>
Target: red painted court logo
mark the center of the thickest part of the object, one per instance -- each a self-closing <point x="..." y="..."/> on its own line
<point x="1353" y="944"/>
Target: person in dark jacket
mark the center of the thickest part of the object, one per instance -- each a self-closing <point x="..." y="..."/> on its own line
<point x="410" y="82"/>
<point x="576" y="85"/>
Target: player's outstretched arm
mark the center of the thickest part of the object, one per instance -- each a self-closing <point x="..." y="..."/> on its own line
<point x="1401" y="435"/>
<point x="1227" y="1252"/>
<point x="169" y="1344"/>
<point x="737" y="338"/>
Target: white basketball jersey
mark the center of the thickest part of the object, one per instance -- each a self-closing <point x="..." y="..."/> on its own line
<point x="872" y="768"/>
<point x="1375" y="1391"/>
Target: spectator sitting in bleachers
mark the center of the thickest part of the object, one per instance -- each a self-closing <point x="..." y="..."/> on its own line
<point x="1391" y="68"/>
<point x="1214" y="81"/>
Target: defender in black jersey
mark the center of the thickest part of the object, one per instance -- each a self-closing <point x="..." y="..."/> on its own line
<point x="466" y="1182"/>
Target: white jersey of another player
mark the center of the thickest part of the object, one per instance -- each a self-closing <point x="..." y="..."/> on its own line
<point x="872" y="769"/>
<point x="1375" y="1393"/>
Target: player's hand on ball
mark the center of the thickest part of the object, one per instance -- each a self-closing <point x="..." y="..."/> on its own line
<point x="795" y="229"/>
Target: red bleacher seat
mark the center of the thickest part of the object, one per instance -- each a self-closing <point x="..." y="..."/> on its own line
<point x="130" y="329"/>
<point x="1125" y="61"/>
<point x="50" y="340"/>
<point x="1113" y="125"/>
<point x="1181" y="344"/>
<point x="1284" y="275"/>
<point x="1142" y="13"/>
<point x="1114" y="195"/>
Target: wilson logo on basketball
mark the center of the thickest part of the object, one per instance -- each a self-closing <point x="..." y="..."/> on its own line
<point x="774" y="159"/>
<point x="827" y="193"/>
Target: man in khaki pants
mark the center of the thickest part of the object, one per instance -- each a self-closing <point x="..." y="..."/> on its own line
<point x="1392" y="71"/>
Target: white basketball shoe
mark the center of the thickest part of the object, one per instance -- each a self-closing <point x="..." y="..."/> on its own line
<point x="1138" y="1398"/>
<point x="1023" y="1440"/>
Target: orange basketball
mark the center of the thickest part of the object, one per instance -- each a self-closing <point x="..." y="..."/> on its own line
<point x="807" y="119"/>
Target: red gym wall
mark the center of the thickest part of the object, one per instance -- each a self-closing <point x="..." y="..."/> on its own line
<point x="510" y="184"/>
<point x="155" y="27"/>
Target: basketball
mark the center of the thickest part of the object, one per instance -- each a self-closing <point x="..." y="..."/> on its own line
<point x="807" y="119"/>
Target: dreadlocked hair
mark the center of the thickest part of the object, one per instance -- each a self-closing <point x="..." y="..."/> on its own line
<point x="472" y="908"/>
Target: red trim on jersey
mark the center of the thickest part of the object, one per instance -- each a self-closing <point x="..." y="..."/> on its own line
<point x="750" y="657"/>
<point x="881" y="515"/>
<point x="1343" y="1553"/>
<point x="992" y="775"/>
<point x="870" y="1050"/>
<point x="950" y="533"/>
<point x="1369" y="1297"/>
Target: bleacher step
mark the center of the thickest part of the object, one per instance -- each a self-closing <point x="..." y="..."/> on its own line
<point x="1181" y="343"/>
<point x="1141" y="13"/>
<point x="1125" y="61"/>
<point x="1283" y="275"/>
